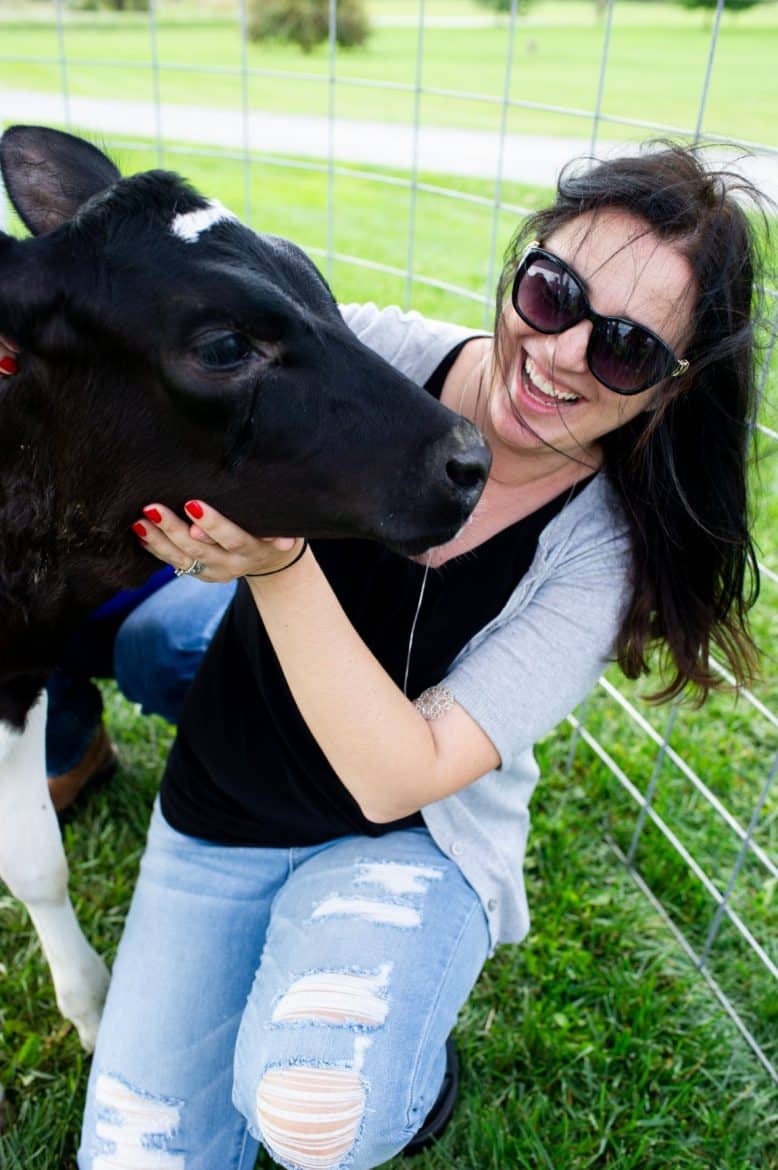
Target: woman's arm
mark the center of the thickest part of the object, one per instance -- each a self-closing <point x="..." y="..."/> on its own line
<point x="513" y="686"/>
<point x="390" y="758"/>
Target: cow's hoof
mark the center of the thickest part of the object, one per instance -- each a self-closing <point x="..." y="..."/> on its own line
<point x="82" y="1004"/>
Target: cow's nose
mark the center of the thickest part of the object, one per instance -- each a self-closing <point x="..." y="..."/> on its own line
<point x="468" y="468"/>
<point x="468" y="471"/>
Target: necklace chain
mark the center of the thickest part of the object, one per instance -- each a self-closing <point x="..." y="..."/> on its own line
<point x="414" y="624"/>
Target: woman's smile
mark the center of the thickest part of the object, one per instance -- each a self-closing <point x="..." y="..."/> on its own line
<point x="536" y="388"/>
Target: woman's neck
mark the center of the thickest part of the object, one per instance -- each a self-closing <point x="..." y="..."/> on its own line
<point x="519" y="483"/>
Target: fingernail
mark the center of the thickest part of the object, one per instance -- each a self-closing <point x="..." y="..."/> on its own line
<point x="194" y="508"/>
<point x="153" y="514"/>
<point x="138" y="529"/>
<point x="9" y="364"/>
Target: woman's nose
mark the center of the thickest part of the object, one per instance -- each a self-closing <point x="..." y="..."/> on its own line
<point x="567" y="351"/>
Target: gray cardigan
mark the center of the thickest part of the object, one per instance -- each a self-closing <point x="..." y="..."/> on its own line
<point x="529" y="667"/>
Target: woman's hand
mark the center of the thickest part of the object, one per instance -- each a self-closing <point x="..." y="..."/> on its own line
<point x="9" y="352"/>
<point x="211" y="548"/>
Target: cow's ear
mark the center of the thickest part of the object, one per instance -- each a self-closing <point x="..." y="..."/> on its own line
<point x="49" y="174"/>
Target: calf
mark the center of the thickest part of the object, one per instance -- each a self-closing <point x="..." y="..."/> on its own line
<point x="166" y="351"/>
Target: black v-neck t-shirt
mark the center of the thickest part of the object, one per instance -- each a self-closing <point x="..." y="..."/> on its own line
<point x="245" y="769"/>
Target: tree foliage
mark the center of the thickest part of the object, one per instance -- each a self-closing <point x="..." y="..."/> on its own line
<point x="506" y="5"/>
<point x="306" y="22"/>
<point x="113" y="5"/>
<point x="729" y="5"/>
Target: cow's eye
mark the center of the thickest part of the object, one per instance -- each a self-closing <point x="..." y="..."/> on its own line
<point x="224" y="351"/>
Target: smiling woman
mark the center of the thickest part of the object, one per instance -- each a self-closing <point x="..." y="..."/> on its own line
<point x="354" y="758"/>
<point x="681" y="261"/>
<point x="576" y="375"/>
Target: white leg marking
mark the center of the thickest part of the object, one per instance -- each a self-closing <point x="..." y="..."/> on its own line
<point x="33" y="865"/>
<point x="398" y="878"/>
<point x="310" y="1117"/>
<point x="369" y="908"/>
<point x="336" y="996"/>
<point x="136" y="1128"/>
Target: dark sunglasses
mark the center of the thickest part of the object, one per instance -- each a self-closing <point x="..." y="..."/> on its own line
<point x="623" y="355"/>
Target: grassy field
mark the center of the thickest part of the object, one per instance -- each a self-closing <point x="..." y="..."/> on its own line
<point x="595" y="1044"/>
<point x="656" y="65"/>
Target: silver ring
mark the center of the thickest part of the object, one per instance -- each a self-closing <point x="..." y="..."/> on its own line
<point x="194" y="570"/>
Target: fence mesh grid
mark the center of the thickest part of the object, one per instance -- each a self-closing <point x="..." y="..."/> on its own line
<point x="699" y="850"/>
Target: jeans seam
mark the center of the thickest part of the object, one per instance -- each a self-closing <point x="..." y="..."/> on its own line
<point x="241" y="1163"/>
<point x="438" y="996"/>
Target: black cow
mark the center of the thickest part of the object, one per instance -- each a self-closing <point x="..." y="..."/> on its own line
<point x="167" y="351"/>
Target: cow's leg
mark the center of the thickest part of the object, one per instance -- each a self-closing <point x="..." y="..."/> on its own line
<point x="33" y="865"/>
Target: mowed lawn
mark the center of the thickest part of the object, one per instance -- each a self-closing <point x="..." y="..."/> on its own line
<point x="656" y="65"/>
<point x="594" y="1044"/>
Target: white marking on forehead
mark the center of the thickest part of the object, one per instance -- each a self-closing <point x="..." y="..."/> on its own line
<point x="190" y="225"/>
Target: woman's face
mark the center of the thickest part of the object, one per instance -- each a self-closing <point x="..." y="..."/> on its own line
<point x="550" y="398"/>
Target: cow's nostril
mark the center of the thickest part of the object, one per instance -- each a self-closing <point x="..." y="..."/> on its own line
<point x="468" y="471"/>
<point x="464" y="472"/>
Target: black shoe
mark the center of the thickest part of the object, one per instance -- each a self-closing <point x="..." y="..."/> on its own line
<point x="443" y="1110"/>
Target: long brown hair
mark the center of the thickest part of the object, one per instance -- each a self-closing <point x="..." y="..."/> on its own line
<point x="681" y="469"/>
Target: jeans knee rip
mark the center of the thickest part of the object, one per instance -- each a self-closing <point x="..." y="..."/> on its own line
<point x="382" y="911"/>
<point x="349" y="999"/>
<point x="310" y="1116"/>
<point x="397" y="877"/>
<point x="135" y="1129"/>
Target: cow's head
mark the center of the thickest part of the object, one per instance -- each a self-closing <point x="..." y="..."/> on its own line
<point x="168" y="352"/>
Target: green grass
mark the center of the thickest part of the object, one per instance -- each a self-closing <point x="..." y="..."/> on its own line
<point x="595" y="1043"/>
<point x="656" y="66"/>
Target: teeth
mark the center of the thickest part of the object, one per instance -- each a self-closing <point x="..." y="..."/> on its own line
<point x="545" y="387"/>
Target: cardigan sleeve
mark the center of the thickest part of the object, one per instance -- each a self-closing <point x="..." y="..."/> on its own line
<point x="527" y="673"/>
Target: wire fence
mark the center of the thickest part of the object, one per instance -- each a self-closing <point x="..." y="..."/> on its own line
<point x="689" y="799"/>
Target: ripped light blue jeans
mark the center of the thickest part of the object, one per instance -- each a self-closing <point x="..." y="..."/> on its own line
<point x="296" y="997"/>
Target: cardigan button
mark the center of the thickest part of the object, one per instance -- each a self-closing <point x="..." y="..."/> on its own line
<point x="491" y="905"/>
<point x="457" y="849"/>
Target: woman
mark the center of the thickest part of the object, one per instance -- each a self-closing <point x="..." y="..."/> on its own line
<point x="343" y="817"/>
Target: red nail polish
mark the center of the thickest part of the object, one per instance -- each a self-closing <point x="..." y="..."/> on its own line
<point x="153" y="514"/>
<point x="9" y="364"/>
<point x="194" y="508"/>
<point x="138" y="529"/>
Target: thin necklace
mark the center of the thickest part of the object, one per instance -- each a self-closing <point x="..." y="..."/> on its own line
<point x="414" y="623"/>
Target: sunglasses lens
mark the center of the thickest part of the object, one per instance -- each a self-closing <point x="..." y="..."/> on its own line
<point x="626" y="357"/>
<point x="547" y="296"/>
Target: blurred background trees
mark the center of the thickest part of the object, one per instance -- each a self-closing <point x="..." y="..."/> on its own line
<point x="306" y="22"/>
